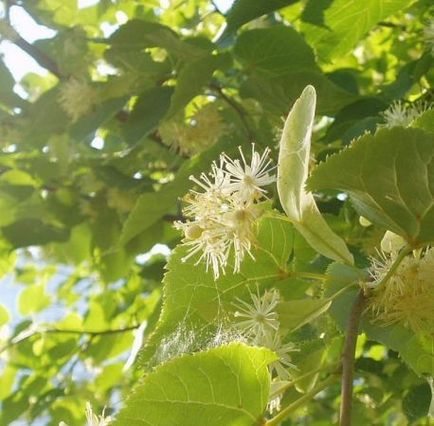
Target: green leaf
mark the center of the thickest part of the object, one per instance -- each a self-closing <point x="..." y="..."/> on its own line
<point x="293" y="314"/>
<point x="417" y="401"/>
<point x="274" y="51"/>
<point x="33" y="299"/>
<point x="78" y="248"/>
<point x="345" y="23"/>
<point x="292" y="173"/>
<point x="151" y="106"/>
<point x="89" y="123"/>
<point x="227" y="385"/>
<point x="193" y="299"/>
<point x="7" y="261"/>
<point x="390" y="178"/>
<point x="46" y="115"/>
<point x="7" y="94"/>
<point x="425" y="121"/>
<point x="311" y="357"/>
<point x="243" y="11"/>
<point x="8" y="206"/>
<point x="275" y="93"/>
<point x="18" y="177"/>
<point x="29" y="232"/>
<point x="281" y="64"/>
<point x="192" y="78"/>
<point x="416" y="350"/>
<point x="4" y="315"/>
<point x="137" y="34"/>
<point x="8" y="374"/>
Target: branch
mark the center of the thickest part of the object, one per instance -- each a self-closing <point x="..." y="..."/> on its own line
<point x="348" y="354"/>
<point x="392" y="25"/>
<point x="28" y="334"/>
<point x="9" y="33"/>
<point x="7" y="7"/>
<point x="237" y="107"/>
<point x="217" y="9"/>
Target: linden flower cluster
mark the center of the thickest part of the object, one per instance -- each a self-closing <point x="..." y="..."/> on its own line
<point x="399" y="114"/>
<point x="77" y="98"/>
<point x="259" y="323"/>
<point x="203" y="131"/>
<point x="221" y="219"/>
<point x="408" y="295"/>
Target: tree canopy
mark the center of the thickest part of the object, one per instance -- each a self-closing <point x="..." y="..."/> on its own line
<point x="218" y="213"/>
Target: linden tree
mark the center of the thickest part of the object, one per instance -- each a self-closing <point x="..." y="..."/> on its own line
<point x="216" y="212"/>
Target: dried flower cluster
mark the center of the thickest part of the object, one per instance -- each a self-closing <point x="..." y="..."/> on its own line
<point x="77" y="98"/>
<point x="203" y="130"/>
<point x="221" y="218"/>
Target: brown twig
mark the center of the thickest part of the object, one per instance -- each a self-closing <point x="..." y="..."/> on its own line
<point x="237" y="108"/>
<point x="8" y="32"/>
<point x="31" y="333"/>
<point x="348" y="354"/>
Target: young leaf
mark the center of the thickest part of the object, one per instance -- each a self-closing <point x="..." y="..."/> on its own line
<point x="345" y="23"/>
<point x="390" y="179"/>
<point x="292" y="173"/>
<point x="222" y="386"/>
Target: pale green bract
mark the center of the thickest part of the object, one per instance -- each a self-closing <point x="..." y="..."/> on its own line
<point x="292" y="174"/>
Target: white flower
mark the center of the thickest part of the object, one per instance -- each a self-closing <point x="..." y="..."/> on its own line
<point x="396" y="115"/>
<point x="77" y="98"/>
<point x="93" y="419"/>
<point x="401" y="115"/>
<point x="248" y="179"/>
<point x="221" y="219"/>
<point x="258" y="318"/>
<point x="274" y="404"/>
<point x="280" y="366"/>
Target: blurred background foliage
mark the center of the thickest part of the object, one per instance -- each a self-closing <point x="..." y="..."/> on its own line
<point x="96" y="153"/>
